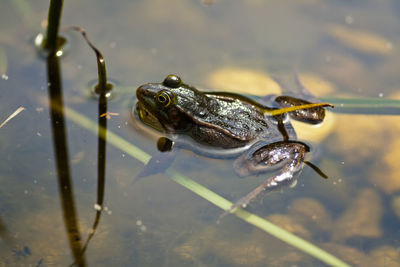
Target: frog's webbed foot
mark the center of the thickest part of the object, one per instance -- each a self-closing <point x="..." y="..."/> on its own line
<point x="288" y="154"/>
<point x="298" y="95"/>
<point x="312" y="115"/>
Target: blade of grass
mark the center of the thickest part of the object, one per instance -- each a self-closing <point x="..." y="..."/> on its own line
<point x="294" y="108"/>
<point x="207" y="194"/>
<point x="377" y="106"/>
<point x="15" y="113"/>
<point x="373" y="106"/>
<point x="371" y="102"/>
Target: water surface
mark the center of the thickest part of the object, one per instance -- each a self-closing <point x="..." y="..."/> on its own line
<point x="340" y="49"/>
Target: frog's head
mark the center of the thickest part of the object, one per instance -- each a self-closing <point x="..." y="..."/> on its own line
<point x="168" y="106"/>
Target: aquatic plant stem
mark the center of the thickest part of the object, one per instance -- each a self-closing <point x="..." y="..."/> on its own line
<point x="373" y="106"/>
<point x="280" y="111"/>
<point x="102" y="87"/>
<point x="212" y="197"/>
<point x="53" y="24"/>
<point x="58" y="126"/>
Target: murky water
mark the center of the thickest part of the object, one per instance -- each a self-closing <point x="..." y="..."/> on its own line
<point x="339" y="49"/>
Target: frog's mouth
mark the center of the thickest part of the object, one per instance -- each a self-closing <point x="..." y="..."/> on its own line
<point x="147" y="117"/>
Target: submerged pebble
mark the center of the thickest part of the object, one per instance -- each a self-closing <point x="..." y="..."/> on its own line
<point x="388" y="178"/>
<point x="216" y="246"/>
<point x="362" y="41"/>
<point x="396" y="205"/>
<point x="289" y="224"/>
<point x="243" y="81"/>
<point x="358" y="139"/>
<point x="348" y="254"/>
<point x="260" y="83"/>
<point x="362" y="142"/>
<point x="207" y="244"/>
<point x="310" y="212"/>
<point x="384" y="256"/>
<point x="361" y="218"/>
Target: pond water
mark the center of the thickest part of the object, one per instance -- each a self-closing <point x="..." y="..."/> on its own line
<point x="340" y="50"/>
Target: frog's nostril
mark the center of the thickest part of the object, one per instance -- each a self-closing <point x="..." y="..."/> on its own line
<point x="143" y="90"/>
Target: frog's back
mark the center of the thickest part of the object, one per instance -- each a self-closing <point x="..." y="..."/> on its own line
<point x="212" y="119"/>
<point x="229" y="123"/>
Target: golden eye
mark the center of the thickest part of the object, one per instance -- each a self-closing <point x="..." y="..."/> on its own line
<point x="163" y="98"/>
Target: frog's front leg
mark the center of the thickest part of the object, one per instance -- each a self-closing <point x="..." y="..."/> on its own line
<point x="287" y="155"/>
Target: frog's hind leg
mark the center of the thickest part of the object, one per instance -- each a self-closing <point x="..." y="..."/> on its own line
<point x="289" y="154"/>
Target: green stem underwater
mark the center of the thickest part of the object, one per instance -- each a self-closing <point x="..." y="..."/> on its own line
<point x="294" y="108"/>
<point x="373" y="106"/>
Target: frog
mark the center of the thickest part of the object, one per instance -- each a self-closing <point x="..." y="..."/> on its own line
<point x="221" y="124"/>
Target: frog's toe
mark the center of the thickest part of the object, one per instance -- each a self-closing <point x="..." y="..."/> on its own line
<point x="230" y="210"/>
<point x="241" y="203"/>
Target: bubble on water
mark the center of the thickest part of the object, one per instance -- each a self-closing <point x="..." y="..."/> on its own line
<point x="39" y="39"/>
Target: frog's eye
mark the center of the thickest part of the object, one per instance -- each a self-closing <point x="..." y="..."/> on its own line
<point x="164" y="98"/>
<point x="172" y="81"/>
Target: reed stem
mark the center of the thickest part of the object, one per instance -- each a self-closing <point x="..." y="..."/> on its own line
<point x="53" y="24"/>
